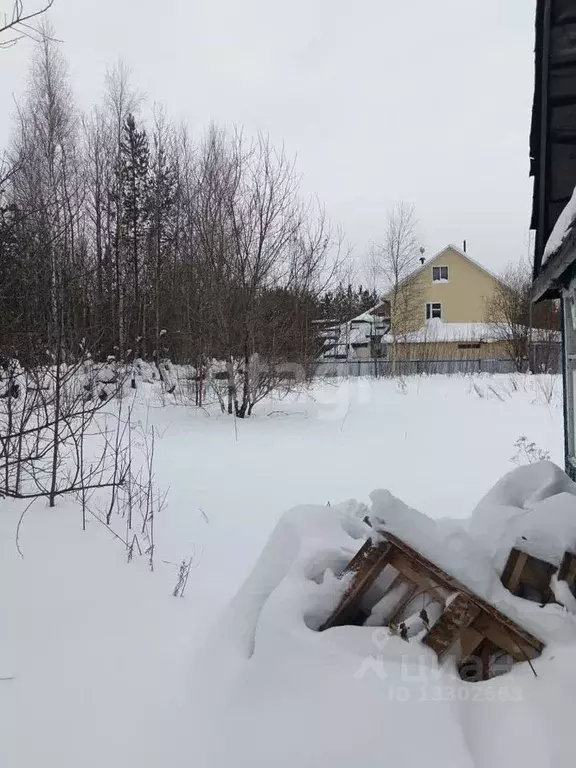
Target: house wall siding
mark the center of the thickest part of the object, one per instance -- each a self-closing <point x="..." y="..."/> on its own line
<point x="495" y="350"/>
<point x="451" y="351"/>
<point x="464" y="297"/>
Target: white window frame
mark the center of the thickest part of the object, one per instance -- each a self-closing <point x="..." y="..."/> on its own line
<point x="441" y="279"/>
<point x="432" y="304"/>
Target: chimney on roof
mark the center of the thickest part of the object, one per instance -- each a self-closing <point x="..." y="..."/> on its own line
<point x="464" y="249"/>
<point x="422" y="259"/>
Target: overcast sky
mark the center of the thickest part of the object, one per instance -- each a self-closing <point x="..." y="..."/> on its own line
<point x="426" y="101"/>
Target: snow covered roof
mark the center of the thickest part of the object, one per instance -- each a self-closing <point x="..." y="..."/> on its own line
<point x="365" y="317"/>
<point x="436" y="331"/>
<point x="561" y="230"/>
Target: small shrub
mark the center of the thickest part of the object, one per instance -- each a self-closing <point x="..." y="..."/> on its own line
<point x="546" y="385"/>
<point x="528" y="452"/>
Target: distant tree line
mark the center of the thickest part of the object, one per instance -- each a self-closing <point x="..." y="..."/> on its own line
<point x="133" y="239"/>
<point x="345" y="302"/>
<point x="129" y="238"/>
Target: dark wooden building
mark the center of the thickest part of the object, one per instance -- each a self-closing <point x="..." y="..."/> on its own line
<point x="553" y="166"/>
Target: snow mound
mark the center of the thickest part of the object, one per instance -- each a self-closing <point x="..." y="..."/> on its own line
<point x="534" y="508"/>
<point x="445" y="542"/>
<point x="285" y="694"/>
<point x="562" y="229"/>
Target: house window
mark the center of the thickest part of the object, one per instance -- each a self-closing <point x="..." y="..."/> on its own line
<point x="433" y="310"/>
<point x="468" y="346"/>
<point x="439" y="274"/>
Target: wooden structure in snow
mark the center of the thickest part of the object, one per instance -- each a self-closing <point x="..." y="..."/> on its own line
<point x="468" y="628"/>
<point x="567" y="570"/>
<point x="531" y="578"/>
<point x="528" y="577"/>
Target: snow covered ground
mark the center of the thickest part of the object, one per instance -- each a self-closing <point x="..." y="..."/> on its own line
<point x="99" y="662"/>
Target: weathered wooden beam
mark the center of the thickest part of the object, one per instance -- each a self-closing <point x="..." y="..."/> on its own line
<point x="525" y="570"/>
<point x="403" y="565"/>
<point x="366" y="565"/>
<point x="567" y="570"/>
<point x="459" y="614"/>
<point x="452" y="584"/>
<point x="513" y="570"/>
<point x="466" y="617"/>
<point x="470" y="640"/>
<point x="507" y="638"/>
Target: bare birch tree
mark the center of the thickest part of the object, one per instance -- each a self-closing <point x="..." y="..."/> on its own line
<point x="394" y="261"/>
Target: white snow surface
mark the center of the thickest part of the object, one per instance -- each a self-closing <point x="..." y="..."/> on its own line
<point x="532" y="508"/>
<point x="562" y="228"/>
<point x="437" y="331"/>
<point x="299" y="697"/>
<point x="103" y="667"/>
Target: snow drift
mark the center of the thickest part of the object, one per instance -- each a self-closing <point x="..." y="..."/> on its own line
<point x="285" y="694"/>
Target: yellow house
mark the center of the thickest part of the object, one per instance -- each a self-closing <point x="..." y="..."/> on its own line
<point x="450" y="287"/>
<point x="438" y="312"/>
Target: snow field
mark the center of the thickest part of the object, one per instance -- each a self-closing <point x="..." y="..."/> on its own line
<point x="105" y="667"/>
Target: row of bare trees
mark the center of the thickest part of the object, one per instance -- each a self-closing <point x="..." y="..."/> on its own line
<point x="135" y="240"/>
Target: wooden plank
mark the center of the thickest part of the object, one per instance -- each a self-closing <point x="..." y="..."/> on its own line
<point x="404" y="566"/>
<point x="459" y="614"/>
<point x="369" y="562"/>
<point x="443" y="579"/>
<point x="567" y="570"/>
<point x="470" y="640"/>
<point x="484" y="651"/>
<point x="501" y="636"/>
<point x="513" y="570"/>
<point x="360" y="557"/>
<point x="525" y="570"/>
<point x="508" y="568"/>
<point x="538" y="574"/>
<point x="473" y="664"/>
<point x="367" y="565"/>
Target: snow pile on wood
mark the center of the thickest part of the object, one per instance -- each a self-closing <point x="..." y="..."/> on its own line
<point x="562" y="229"/>
<point x="533" y="507"/>
<point x="285" y="694"/>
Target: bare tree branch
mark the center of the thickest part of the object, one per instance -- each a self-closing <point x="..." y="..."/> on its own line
<point x="18" y="20"/>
